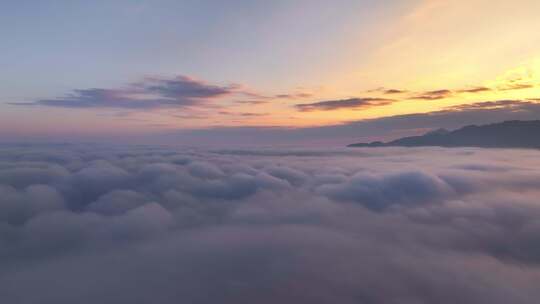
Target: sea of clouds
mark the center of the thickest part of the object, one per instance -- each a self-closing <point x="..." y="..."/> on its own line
<point x="117" y="224"/>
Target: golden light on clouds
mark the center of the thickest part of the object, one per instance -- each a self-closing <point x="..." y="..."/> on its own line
<point x="476" y="50"/>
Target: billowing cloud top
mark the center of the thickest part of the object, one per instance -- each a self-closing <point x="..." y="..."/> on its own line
<point x="109" y="224"/>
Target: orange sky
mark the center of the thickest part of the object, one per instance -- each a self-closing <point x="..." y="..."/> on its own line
<point x="416" y="47"/>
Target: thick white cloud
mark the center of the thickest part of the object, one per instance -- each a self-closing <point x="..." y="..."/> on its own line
<point x="111" y="224"/>
<point x="378" y="192"/>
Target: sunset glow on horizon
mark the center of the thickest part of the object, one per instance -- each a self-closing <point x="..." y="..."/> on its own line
<point x="368" y="60"/>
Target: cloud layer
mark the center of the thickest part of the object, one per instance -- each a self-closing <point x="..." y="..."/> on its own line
<point x="110" y="224"/>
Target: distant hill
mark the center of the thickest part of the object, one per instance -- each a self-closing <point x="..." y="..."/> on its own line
<point x="508" y="134"/>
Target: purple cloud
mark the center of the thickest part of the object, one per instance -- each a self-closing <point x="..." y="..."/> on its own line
<point x="184" y="87"/>
<point x="508" y="104"/>
<point x="151" y="93"/>
<point x="351" y="103"/>
<point x="434" y="95"/>
<point x="394" y="91"/>
<point x="475" y="90"/>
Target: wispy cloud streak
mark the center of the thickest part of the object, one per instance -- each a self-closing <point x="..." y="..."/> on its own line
<point x="351" y="103"/>
<point x="148" y="94"/>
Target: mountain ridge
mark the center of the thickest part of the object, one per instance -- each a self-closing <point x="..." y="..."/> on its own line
<point x="507" y="134"/>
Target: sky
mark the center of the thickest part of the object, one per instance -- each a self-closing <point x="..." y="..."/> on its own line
<point x="263" y="71"/>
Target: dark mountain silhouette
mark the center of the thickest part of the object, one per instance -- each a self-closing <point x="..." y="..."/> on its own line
<point x="508" y="134"/>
